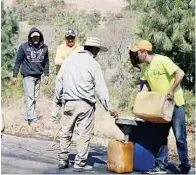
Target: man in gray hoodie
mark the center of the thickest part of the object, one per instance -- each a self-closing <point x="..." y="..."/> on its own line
<point x="78" y="81"/>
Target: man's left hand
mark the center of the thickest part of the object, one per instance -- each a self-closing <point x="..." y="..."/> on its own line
<point x="46" y="80"/>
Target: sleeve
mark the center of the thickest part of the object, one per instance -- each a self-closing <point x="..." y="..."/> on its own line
<point x="143" y="71"/>
<point x="79" y="49"/>
<point x="46" y="64"/>
<point x="59" y="84"/>
<point x="169" y="66"/>
<point x="59" y="57"/>
<point x="101" y="89"/>
<point x="142" y="83"/>
<point x="19" y="59"/>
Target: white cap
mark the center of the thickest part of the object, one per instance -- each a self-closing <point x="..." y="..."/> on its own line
<point x="95" y="42"/>
<point x="35" y="34"/>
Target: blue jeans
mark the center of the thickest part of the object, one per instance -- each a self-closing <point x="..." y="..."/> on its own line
<point x="160" y="134"/>
<point x="179" y="128"/>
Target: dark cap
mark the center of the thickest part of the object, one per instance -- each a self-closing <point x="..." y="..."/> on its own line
<point x="70" y="32"/>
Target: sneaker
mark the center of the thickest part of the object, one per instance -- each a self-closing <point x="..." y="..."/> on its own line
<point x="157" y="170"/>
<point x="185" y="169"/>
<point x="63" y="164"/>
<point x="30" y="121"/>
<point x="78" y="168"/>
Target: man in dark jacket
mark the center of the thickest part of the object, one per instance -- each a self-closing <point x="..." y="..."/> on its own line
<point x="33" y="56"/>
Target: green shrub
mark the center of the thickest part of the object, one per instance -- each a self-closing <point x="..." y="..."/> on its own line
<point x="189" y="106"/>
<point x="11" y="91"/>
<point x="9" y="41"/>
<point x="124" y="97"/>
<point x="125" y="86"/>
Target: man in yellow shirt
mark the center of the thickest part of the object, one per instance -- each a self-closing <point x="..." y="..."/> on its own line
<point x="163" y="76"/>
<point x="68" y="47"/>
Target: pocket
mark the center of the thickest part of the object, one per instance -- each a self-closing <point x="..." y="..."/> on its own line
<point x="69" y="108"/>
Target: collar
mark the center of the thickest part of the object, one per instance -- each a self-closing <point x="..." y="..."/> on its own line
<point x="86" y="51"/>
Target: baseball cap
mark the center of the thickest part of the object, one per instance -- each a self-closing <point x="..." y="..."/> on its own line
<point x="143" y="44"/>
<point x="70" y="32"/>
<point x="35" y="34"/>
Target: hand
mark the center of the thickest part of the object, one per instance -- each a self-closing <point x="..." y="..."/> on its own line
<point x="14" y="81"/>
<point x="59" y="103"/>
<point x="46" y="80"/>
<point x="114" y="113"/>
<point x="170" y="96"/>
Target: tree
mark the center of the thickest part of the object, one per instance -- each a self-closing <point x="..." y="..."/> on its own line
<point x="9" y="38"/>
<point x="170" y="26"/>
<point x="23" y="8"/>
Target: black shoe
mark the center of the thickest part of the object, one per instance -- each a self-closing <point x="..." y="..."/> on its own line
<point x="30" y="121"/>
<point x="63" y="164"/>
<point x="185" y="169"/>
<point x="157" y="170"/>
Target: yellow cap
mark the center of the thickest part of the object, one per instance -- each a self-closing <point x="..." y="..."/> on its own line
<point x="143" y="44"/>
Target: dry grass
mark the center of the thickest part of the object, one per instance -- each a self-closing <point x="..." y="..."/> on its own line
<point x="15" y="120"/>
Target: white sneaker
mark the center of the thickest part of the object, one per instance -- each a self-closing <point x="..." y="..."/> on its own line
<point x="78" y="168"/>
<point x="157" y="170"/>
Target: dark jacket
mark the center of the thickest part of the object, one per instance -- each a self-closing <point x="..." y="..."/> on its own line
<point x="34" y="60"/>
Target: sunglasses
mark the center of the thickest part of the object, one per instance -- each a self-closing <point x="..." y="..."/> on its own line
<point x="133" y="54"/>
<point x="134" y="58"/>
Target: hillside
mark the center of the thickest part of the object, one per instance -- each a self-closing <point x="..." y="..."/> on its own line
<point x="103" y="6"/>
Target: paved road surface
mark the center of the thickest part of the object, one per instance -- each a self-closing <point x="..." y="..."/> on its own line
<point x="31" y="156"/>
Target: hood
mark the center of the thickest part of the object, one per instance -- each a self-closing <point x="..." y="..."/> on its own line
<point x="34" y="29"/>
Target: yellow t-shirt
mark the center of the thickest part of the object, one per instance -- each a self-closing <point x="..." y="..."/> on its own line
<point x="63" y="51"/>
<point x="160" y="76"/>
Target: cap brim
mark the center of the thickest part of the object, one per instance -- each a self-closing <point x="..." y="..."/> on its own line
<point x="70" y="35"/>
<point x="34" y="35"/>
<point x="134" y="49"/>
<point x="103" y="49"/>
